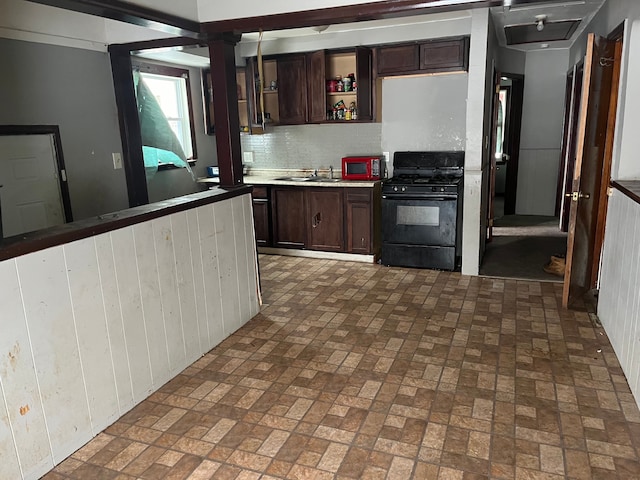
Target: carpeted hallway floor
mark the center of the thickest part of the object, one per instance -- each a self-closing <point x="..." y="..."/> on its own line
<point x="521" y="246"/>
<point x="358" y="371"/>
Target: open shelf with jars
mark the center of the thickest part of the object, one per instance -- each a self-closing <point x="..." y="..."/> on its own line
<point x="341" y="91"/>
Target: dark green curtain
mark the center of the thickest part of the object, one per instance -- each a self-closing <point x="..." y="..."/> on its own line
<point x="160" y="143"/>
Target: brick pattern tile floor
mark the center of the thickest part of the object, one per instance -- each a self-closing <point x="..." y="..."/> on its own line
<point x="359" y="371"/>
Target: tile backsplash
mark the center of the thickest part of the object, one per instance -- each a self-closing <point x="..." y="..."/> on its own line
<point x="312" y="146"/>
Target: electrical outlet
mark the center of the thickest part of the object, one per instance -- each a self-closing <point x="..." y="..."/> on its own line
<point x="117" y="160"/>
<point x="247" y="157"/>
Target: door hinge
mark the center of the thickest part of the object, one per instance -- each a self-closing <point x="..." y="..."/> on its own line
<point x="609" y="191"/>
<point x="63" y="175"/>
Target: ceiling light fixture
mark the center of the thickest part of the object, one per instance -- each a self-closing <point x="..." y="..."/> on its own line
<point x="540" y="19"/>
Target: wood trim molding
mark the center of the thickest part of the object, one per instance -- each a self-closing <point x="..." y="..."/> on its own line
<point x="631" y="188"/>
<point x="50" y="237"/>
<point x="344" y="14"/>
<point x="130" y="13"/>
<point x="130" y="133"/>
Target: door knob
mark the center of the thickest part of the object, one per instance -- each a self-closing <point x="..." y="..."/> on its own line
<point x="576" y="195"/>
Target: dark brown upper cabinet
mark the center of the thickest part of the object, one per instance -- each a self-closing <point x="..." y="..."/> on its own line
<point x="398" y="59"/>
<point x="433" y="56"/>
<point x="292" y="89"/>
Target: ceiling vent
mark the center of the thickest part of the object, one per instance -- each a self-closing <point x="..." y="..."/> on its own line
<point x="532" y="33"/>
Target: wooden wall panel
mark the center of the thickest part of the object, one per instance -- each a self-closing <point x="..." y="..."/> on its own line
<point x="198" y="277"/>
<point x="47" y="304"/>
<point x="10" y="466"/>
<point x="252" y="256"/>
<point x="111" y="318"/>
<point x="241" y="271"/>
<point x="93" y="337"/>
<point x="619" y="297"/>
<point x="131" y="307"/>
<point x="115" y="323"/>
<point x="19" y="383"/>
<point x="152" y="314"/>
<point x="211" y="278"/>
<point x="185" y="286"/>
<point x="169" y="300"/>
<point x="225" y="238"/>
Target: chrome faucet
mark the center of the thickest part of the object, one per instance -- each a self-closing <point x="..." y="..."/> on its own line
<point x="315" y="173"/>
<point x="330" y="172"/>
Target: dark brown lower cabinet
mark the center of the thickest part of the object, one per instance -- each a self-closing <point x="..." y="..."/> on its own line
<point x="358" y="203"/>
<point x="289" y="217"/>
<point x="330" y="219"/>
<point x="261" y="216"/>
<point x="325" y="219"/>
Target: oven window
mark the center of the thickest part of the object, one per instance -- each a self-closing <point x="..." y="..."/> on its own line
<point x="416" y="215"/>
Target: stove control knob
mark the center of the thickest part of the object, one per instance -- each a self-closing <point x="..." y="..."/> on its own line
<point x="404" y="189"/>
<point x="433" y="189"/>
<point x="442" y="189"/>
<point x="395" y="189"/>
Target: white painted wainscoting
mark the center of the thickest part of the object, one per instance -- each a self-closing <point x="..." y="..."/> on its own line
<point x="619" y="297"/>
<point x="91" y="328"/>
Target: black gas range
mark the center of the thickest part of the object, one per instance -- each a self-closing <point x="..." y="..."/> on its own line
<point x="422" y="210"/>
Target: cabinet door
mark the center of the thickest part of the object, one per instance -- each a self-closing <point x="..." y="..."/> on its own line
<point x="288" y="209"/>
<point x="316" y="75"/>
<point x="358" y="211"/>
<point x="292" y="89"/>
<point x="363" y="76"/>
<point x="444" y="55"/>
<point x="261" y="221"/>
<point x="398" y="59"/>
<point x="325" y="219"/>
<point x="261" y="216"/>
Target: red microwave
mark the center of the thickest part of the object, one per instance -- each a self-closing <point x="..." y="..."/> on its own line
<point x="361" y="168"/>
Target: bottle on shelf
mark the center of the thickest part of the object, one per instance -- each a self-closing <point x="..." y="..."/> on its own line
<point x="354" y="111"/>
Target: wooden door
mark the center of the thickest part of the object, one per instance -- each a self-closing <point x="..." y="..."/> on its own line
<point x="261" y="216"/>
<point x="492" y="156"/>
<point x="30" y="184"/>
<point x="568" y="155"/>
<point x="292" y="89"/>
<point x="325" y="219"/>
<point x="590" y="156"/>
<point x="511" y="147"/>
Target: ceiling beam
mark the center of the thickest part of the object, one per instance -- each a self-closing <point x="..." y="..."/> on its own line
<point x="130" y="13"/>
<point x="346" y="14"/>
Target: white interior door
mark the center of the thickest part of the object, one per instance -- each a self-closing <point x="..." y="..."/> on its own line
<point x="30" y="197"/>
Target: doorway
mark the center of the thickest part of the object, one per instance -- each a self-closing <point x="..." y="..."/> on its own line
<point x="518" y="246"/>
<point x="33" y="184"/>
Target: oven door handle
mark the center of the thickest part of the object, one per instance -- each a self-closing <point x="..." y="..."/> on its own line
<point x="419" y="197"/>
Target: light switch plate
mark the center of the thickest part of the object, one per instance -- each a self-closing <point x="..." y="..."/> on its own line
<point x="117" y="160"/>
<point x="247" y="157"/>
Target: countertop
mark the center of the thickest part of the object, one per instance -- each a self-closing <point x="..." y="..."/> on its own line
<point x="276" y="177"/>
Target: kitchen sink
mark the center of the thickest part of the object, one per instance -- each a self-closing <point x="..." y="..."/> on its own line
<point x="296" y="179"/>
<point x="324" y="179"/>
<point x="309" y="179"/>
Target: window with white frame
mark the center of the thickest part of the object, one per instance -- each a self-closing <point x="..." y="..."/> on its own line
<point x="165" y="114"/>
